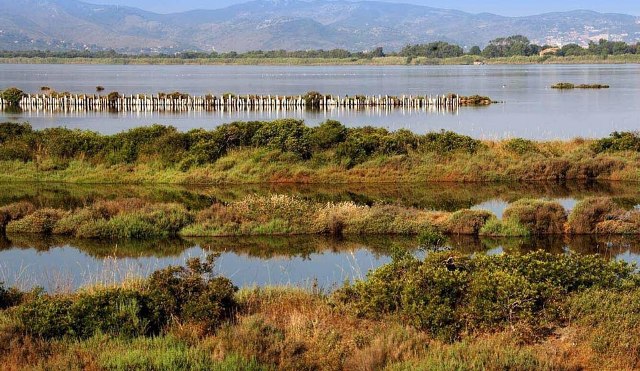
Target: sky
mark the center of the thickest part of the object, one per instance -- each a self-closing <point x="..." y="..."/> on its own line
<point x="501" y="7"/>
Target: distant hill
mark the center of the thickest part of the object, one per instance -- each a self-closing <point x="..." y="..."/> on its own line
<point x="286" y="24"/>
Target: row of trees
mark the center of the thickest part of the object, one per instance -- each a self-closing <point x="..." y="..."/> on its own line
<point x="511" y="46"/>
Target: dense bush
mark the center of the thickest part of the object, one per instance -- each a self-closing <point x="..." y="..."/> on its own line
<point x="9" y="297"/>
<point x="166" y="146"/>
<point x="618" y="141"/>
<point x="538" y="216"/>
<point x="12" y="95"/>
<point x="41" y="221"/>
<point x="189" y="294"/>
<point x="587" y="214"/>
<point x="467" y="222"/>
<point x="520" y="146"/>
<point x="448" y="294"/>
<point x="14" y="211"/>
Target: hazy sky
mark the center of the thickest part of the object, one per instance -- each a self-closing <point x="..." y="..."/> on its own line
<point x="502" y="7"/>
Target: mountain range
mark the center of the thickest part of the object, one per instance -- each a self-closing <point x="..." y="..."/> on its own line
<point x="287" y="24"/>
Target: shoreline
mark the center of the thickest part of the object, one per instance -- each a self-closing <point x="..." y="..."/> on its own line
<point x="382" y="61"/>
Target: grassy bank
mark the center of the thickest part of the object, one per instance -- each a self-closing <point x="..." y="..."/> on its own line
<point x="287" y="215"/>
<point x="378" y="61"/>
<point x="450" y="311"/>
<point x="287" y="151"/>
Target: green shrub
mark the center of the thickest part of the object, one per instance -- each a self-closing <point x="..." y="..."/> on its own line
<point x="618" y="141"/>
<point x="115" y="311"/>
<point x="286" y="135"/>
<point x="121" y="226"/>
<point x="12" y="96"/>
<point x="9" y="297"/>
<point x="187" y="294"/>
<point x="504" y="228"/>
<point x="71" y="223"/>
<point x="430" y="237"/>
<point x="447" y="141"/>
<point x="447" y="293"/>
<point x="520" y="146"/>
<point x="191" y="293"/>
<point x="328" y="135"/>
<point x="41" y="221"/>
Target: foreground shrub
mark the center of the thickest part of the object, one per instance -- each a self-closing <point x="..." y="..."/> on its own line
<point x="115" y="311"/>
<point x="448" y="294"/>
<point x="190" y="294"/>
<point x="41" y="221"/>
<point x="609" y="321"/>
<point x="9" y="297"/>
<point x="538" y="216"/>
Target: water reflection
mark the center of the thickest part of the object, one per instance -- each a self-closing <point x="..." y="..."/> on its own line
<point x="64" y="264"/>
<point x="436" y="196"/>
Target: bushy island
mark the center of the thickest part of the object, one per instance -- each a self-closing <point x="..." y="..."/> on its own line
<point x="291" y="215"/>
<point x="536" y="311"/>
<point x="288" y="151"/>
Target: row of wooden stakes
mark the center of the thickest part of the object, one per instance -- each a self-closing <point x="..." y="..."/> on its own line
<point x="140" y="103"/>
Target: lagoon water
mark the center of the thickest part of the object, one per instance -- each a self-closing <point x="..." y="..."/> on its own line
<point x="63" y="263"/>
<point x="531" y="109"/>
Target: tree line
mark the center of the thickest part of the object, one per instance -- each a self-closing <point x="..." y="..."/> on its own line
<point x="512" y="46"/>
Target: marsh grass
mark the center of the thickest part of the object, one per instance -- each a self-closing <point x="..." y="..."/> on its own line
<point x="584" y="317"/>
<point x="287" y="151"/>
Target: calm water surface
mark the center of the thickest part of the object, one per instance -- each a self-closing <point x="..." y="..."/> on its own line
<point x="63" y="264"/>
<point x="530" y="109"/>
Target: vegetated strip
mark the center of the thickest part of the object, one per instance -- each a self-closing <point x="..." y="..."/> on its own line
<point x="535" y="311"/>
<point x="569" y="86"/>
<point x="287" y="151"/>
<point x="288" y="215"/>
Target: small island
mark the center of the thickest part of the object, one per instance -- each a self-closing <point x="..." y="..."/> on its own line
<point x="570" y="86"/>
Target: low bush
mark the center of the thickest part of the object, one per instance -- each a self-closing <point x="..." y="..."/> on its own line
<point x="190" y="294"/>
<point x="504" y="228"/>
<point x="588" y="213"/>
<point x="448" y="294"/>
<point x="14" y="211"/>
<point x="9" y="297"/>
<point x="537" y="216"/>
<point x="115" y="311"/>
<point x="618" y="141"/>
<point x="520" y="146"/>
<point x="41" y="221"/>
<point x="467" y="222"/>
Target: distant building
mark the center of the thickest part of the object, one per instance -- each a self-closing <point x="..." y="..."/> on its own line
<point x="550" y="51"/>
